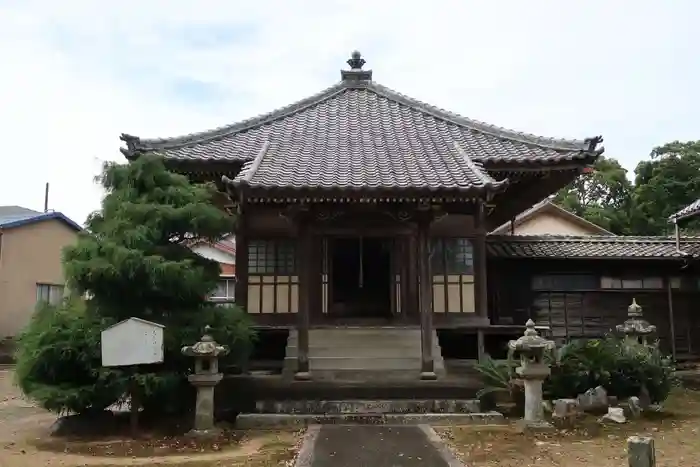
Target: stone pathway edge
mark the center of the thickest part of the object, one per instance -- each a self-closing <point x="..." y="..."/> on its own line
<point x="306" y="453"/>
<point x="440" y="446"/>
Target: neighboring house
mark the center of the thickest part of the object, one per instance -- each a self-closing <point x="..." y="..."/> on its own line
<point x="31" y="270"/>
<point x="224" y="253"/>
<point x="546" y="218"/>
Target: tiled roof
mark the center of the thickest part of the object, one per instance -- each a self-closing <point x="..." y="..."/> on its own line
<point x="583" y="247"/>
<point x="382" y="170"/>
<point x="358" y="121"/>
<point x="689" y="211"/>
<point x="16" y="216"/>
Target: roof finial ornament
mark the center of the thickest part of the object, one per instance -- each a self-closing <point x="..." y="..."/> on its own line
<point x="356" y="73"/>
<point x="356" y="61"/>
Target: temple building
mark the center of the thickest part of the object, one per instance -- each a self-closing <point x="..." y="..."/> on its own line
<point x="363" y="221"/>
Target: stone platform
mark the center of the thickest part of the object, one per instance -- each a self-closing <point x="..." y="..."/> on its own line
<point x="288" y="413"/>
<point x="268" y="420"/>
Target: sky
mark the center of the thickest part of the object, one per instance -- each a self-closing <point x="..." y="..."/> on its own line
<point x="76" y="74"/>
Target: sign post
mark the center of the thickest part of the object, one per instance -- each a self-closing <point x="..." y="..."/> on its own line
<point x="128" y="344"/>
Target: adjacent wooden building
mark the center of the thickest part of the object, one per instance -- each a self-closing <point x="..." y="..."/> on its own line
<point x="360" y="206"/>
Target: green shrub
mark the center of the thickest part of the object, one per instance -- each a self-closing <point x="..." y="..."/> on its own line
<point x="58" y="362"/>
<point x="498" y="378"/>
<point x="59" y="359"/>
<point x="166" y="389"/>
<point x="622" y="368"/>
<point x="134" y="259"/>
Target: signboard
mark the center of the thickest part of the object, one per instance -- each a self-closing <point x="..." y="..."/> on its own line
<point x="133" y="341"/>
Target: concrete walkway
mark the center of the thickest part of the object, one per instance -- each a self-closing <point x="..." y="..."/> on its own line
<point x="374" y="446"/>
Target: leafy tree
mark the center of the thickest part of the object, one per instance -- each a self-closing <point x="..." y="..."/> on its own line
<point x="134" y="260"/>
<point x="603" y="197"/>
<point x="665" y="184"/>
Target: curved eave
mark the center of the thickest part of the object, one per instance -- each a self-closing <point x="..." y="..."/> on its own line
<point x="241" y="188"/>
<point x="137" y="146"/>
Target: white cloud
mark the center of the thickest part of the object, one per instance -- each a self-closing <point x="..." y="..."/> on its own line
<point x="76" y="74"/>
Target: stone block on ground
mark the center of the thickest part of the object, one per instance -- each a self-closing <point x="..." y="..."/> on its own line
<point x="566" y="413"/>
<point x="614" y="415"/>
<point x="641" y="452"/>
<point x="644" y="398"/>
<point x="594" y="400"/>
<point x="632" y="408"/>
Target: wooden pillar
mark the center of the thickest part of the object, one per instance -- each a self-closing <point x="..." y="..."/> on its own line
<point x="304" y="248"/>
<point x="426" y="297"/>
<point x="412" y="306"/>
<point x="480" y="277"/>
<point x="242" y="238"/>
<point x="671" y="317"/>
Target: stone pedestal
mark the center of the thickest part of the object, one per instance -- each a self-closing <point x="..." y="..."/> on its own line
<point x="636" y="330"/>
<point x="204" y="407"/>
<point x="532" y="349"/>
<point x="205" y="377"/>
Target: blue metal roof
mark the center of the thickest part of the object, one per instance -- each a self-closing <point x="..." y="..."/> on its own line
<point x="15" y="216"/>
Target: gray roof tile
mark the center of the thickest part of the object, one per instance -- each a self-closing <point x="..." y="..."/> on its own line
<point x="583" y="247"/>
<point x="691" y="210"/>
<point x="381" y="169"/>
<point x="362" y="133"/>
<point x="358" y="115"/>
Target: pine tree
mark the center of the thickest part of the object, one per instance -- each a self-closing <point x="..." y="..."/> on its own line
<point x="134" y="260"/>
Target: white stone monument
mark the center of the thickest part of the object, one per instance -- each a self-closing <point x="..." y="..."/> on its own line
<point x="532" y="349"/>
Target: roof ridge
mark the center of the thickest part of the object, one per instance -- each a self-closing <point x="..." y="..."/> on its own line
<point x="135" y="143"/>
<point x="478" y="169"/>
<point x="588" y="144"/>
<point x="250" y="168"/>
<point x="589" y="238"/>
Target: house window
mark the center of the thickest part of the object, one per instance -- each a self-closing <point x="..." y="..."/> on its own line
<point x="621" y="283"/>
<point x="451" y="256"/>
<point x="225" y="289"/>
<point x="272" y="257"/>
<point x="565" y="282"/>
<point x="49" y="293"/>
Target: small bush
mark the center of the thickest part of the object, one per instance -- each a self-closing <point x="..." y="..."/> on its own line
<point x="58" y="362"/>
<point x="622" y="368"/>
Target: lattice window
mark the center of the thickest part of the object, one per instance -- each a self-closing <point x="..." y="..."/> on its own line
<point x="49" y="293"/>
<point x="225" y="289"/>
<point x="272" y="257"/>
<point x="621" y="283"/>
<point x="451" y="256"/>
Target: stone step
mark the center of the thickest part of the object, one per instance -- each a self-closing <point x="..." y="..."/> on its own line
<point x="360" y="352"/>
<point x="363" y="375"/>
<point x="360" y="363"/>
<point x="266" y="420"/>
<point x="393" y="406"/>
<point x="361" y="333"/>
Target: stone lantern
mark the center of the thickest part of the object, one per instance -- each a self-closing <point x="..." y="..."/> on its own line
<point x="206" y="375"/>
<point x="532" y="350"/>
<point x="636" y="329"/>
